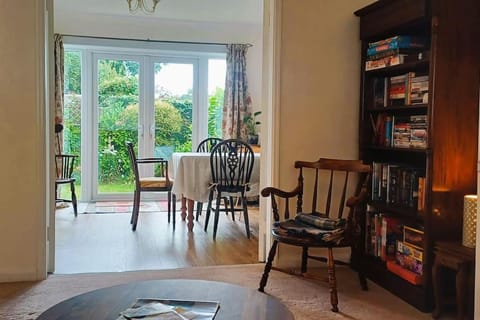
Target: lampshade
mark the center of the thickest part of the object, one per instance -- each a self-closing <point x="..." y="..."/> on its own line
<point x="469" y="220"/>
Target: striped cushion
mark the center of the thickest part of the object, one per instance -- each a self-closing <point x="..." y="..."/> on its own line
<point x="154" y="182"/>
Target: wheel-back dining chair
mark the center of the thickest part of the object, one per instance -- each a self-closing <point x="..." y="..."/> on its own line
<point x="339" y="188"/>
<point x="231" y="163"/>
<point x="205" y="145"/>
<point x="160" y="183"/>
<point x="64" y="165"/>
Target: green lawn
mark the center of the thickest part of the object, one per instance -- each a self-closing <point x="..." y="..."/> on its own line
<point x="105" y="188"/>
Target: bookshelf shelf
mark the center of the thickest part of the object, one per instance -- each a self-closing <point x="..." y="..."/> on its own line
<point x="418" y="122"/>
<point x="410" y="214"/>
<point x="415" y="150"/>
<point x="400" y="68"/>
<point x="417" y="107"/>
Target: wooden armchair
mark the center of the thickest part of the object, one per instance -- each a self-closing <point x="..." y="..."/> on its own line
<point x="329" y="182"/>
<point x="150" y="184"/>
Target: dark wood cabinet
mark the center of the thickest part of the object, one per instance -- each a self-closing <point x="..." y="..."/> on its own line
<point x="448" y="162"/>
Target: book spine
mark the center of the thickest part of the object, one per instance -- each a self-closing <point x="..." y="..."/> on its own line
<point x="388" y="131"/>
<point x="388" y="61"/>
<point x="404" y="40"/>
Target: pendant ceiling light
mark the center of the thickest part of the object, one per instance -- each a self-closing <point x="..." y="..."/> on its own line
<point x="147" y="6"/>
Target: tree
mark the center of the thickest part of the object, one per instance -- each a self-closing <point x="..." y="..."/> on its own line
<point x="215" y="113"/>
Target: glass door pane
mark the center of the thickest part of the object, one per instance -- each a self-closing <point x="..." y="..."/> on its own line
<point x="72" y="112"/>
<point x="173" y="101"/>
<point x="216" y="87"/>
<point x="118" y="112"/>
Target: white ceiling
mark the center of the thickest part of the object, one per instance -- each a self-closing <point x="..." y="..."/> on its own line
<point x="238" y="11"/>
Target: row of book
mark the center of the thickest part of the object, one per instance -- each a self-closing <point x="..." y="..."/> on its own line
<point x="402" y="90"/>
<point x="394" y="51"/>
<point x="398" y="185"/>
<point x="397" y="244"/>
<point x="400" y="131"/>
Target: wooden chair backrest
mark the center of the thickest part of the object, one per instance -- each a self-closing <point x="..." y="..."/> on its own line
<point x="133" y="161"/>
<point x="329" y="180"/>
<point x="231" y="163"/>
<point x="64" y="165"/>
<point x="332" y="181"/>
<point x="207" y="145"/>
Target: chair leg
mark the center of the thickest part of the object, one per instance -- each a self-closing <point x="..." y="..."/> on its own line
<point x="56" y="194"/>
<point x="232" y="207"/>
<point x="209" y="208"/>
<point x="217" y="215"/>
<point x="199" y="210"/>
<point x="245" y="216"/>
<point x="174" y="209"/>
<point x="169" y="204"/>
<point x="268" y="266"/>
<point x="74" y="199"/>
<point x="363" y="281"/>
<point x="304" y="259"/>
<point x="332" y="281"/>
<point x="136" y="209"/>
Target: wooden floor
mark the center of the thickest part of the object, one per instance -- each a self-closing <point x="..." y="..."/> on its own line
<point x="106" y="243"/>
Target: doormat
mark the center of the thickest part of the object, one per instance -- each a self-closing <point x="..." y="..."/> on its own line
<point x="103" y="207"/>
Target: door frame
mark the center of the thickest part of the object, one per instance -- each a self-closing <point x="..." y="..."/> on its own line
<point x="270" y="99"/>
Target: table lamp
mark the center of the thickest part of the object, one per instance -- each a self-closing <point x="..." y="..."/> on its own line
<point x="469" y="220"/>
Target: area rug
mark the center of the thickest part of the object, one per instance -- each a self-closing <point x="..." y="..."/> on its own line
<point x="307" y="299"/>
<point x="124" y="206"/>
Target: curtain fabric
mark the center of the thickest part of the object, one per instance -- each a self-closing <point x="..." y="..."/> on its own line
<point x="59" y="77"/>
<point x="236" y="98"/>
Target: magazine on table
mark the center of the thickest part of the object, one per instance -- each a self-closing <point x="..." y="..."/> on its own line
<point x="166" y="309"/>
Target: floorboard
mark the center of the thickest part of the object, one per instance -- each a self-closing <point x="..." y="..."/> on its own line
<point x="106" y="243"/>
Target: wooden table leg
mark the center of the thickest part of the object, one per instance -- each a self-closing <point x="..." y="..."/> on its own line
<point x="436" y="275"/>
<point x="184" y="208"/>
<point x="461" y="283"/>
<point x="190" y="204"/>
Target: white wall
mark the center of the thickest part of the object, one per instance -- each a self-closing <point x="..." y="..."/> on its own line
<point x="145" y="27"/>
<point x="319" y="87"/>
<point x="22" y="132"/>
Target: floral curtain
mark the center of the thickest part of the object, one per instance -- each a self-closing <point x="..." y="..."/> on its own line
<point x="58" y="54"/>
<point x="236" y="98"/>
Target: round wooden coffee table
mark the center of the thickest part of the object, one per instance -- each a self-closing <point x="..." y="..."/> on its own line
<point x="236" y="302"/>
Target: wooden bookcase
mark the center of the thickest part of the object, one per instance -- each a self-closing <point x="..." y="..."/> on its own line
<point x="449" y="161"/>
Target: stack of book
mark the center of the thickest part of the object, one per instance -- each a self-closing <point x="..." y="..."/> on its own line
<point x="418" y="131"/>
<point x="418" y="90"/>
<point x="400" y="131"/>
<point x="393" y="51"/>
<point x="408" y="262"/>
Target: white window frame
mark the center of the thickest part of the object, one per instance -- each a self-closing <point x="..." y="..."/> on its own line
<point x="146" y="52"/>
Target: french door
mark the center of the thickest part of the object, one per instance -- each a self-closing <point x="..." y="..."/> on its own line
<point x="151" y="101"/>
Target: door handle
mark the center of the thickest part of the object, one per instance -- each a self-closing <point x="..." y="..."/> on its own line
<point x="152" y="131"/>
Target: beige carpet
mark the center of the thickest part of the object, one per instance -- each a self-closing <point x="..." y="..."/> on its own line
<point x="306" y="299"/>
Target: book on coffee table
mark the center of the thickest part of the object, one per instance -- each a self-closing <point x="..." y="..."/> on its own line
<point x="166" y="309"/>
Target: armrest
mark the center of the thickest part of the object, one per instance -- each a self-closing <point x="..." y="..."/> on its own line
<point x="268" y="191"/>
<point x="355" y="200"/>
<point x="277" y="195"/>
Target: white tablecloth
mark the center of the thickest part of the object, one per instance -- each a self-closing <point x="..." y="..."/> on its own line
<point x="192" y="175"/>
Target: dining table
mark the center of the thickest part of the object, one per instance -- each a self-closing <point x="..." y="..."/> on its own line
<point x="192" y="176"/>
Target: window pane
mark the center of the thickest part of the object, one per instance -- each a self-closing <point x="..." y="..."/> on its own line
<point x="173" y="108"/>
<point x="117" y="123"/>
<point x="216" y="87"/>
